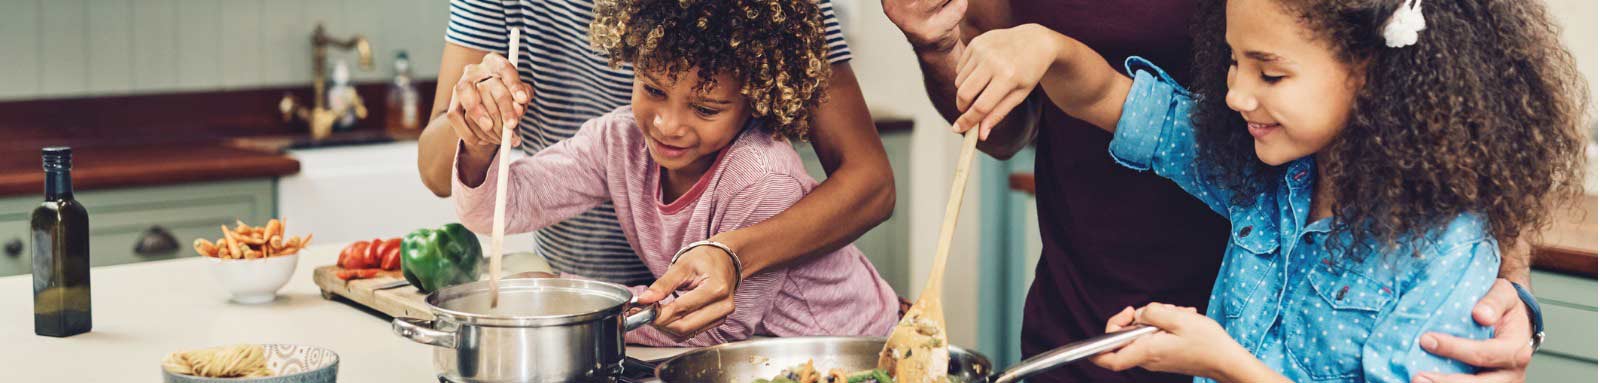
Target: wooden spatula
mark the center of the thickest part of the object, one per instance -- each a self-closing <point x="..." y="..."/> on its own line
<point x="497" y="239"/>
<point x="916" y="351"/>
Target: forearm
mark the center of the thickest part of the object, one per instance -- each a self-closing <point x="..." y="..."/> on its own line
<point x="857" y="195"/>
<point x="473" y="167"/>
<point x="1083" y="85"/>
<point x="436" y="150"/>
<point x="832" y="216"/>
<point x="1515" y="260"/>
<point x="1011" y="135"/>
<point x="1252" y="372"/>
<point x="1239" y="366"/>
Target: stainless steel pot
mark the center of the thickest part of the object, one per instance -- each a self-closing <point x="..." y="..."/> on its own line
<point x="544" y="330"/>
<point x="744" y="362"/>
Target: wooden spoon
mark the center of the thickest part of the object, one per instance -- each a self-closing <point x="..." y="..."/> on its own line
<point x="497" y="239"/>
<point x="916" y="352"/>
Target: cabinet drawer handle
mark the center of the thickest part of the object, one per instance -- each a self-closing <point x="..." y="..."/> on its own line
<point x="14" y="247"/>
<point x="156" y="241"/>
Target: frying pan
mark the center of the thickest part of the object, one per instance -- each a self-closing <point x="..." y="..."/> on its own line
<point x="744" y="362"/>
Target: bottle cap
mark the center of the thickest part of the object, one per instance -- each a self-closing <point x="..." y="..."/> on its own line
<point x="57" y="158"/>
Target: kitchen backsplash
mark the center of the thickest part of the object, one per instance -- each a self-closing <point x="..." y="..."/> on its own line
<point x="75" y="48"/>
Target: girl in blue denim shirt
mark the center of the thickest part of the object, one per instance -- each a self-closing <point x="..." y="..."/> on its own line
<point x="1372" y="156"/>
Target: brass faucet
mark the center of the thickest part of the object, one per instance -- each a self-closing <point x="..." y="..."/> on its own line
<point x="319" y="117"/>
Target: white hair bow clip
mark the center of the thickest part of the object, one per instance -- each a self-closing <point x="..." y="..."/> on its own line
<point x="1401" y="29"/>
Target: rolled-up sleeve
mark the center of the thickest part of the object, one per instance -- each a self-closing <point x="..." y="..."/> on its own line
<point x="1156" y="134"/>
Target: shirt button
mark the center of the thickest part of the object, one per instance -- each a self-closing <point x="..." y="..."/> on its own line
<point x="1244" y="232"/>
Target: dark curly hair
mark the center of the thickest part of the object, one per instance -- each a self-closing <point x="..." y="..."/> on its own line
<point x="776" y="48"/>
<point x="1482" y="115"/>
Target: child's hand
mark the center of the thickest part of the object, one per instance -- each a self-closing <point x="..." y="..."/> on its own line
<point x="707" y="274"/>
<point x="488" y="97"/>
<point x="998" y="70"/>
<point x="1173" y="349"/>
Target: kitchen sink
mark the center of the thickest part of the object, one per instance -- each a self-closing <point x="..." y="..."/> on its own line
<point x="341" y="139"/>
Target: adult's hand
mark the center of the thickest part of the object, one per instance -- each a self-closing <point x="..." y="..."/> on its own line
<point x="708" y="277"/>
<point x="487" y="98"/>
<point x="928" y="24"/>
<point x="1503" y="359"/>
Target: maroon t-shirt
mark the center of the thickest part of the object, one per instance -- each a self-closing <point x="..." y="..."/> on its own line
<point x="1113" y="237"/>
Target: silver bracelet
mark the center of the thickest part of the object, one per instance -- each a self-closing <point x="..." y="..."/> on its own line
<point x="738" y="267"/>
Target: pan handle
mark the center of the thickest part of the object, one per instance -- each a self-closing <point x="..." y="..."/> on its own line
<point x="641" y="318"/>
<point x="1071" y="352"/>
<point x="421" y="331"/>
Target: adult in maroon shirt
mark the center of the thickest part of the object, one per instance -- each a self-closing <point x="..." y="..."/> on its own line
<point x="1114" y="237"/>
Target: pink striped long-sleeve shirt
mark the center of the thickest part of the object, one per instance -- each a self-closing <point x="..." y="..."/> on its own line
<point x="755" y="178"/>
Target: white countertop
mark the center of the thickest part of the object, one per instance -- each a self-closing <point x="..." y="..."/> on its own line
<point x="144" y="311"/>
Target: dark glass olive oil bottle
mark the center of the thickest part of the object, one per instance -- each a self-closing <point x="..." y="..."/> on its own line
<point x="60" y="253"/>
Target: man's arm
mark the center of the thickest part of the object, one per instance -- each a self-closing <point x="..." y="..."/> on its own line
<point x="939" y="45"/>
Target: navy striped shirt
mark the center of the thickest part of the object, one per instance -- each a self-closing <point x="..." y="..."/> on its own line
<point x="572" y="84"/>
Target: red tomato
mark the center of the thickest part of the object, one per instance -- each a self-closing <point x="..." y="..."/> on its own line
<point x="391" y="259"/>
<point x="354" y="255"/>
<point x="357" y="274"/>
<point x="373" y="256"/>
<point x="391" y="254"/>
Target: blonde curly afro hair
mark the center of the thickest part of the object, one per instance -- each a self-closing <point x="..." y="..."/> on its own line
<point x="776" y="48"/>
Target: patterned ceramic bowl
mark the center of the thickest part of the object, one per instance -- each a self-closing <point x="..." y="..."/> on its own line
<point x="289" y="364"/>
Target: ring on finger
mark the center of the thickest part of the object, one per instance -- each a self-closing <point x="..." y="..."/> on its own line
<point x="488" y="77"/>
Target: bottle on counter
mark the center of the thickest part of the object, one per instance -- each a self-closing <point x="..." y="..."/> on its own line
<point x="342" y="98"/>
<point x="60" y="238"/>
<point x="403" y="112"/>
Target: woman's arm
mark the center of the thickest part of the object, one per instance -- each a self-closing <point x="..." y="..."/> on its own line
<point x="857" y="195"/>
<point x="736" y="317"/>
<point x="480" y="110"/>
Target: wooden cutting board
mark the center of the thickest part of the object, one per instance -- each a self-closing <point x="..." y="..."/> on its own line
<point x="404" y="301"/>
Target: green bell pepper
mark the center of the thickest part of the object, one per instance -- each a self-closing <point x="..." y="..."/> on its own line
<point x="434" y="259"/>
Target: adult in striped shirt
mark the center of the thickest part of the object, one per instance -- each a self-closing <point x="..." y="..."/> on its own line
<point x="563" y="82"/>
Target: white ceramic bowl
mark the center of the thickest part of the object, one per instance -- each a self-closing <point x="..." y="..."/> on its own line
<point x="254" y="281"/>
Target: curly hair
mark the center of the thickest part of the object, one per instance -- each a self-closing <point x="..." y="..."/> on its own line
<point x="1482" y="116"/>
<point x="775" y="48"/>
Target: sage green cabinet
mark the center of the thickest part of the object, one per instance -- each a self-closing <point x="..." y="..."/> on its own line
<point x="1568" y="354"/>
<point x="120" y="218"/>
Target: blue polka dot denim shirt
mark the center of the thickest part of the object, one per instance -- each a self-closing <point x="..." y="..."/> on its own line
<point x="1308" y="311"/>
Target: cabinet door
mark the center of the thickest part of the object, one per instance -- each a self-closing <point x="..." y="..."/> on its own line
<point x="885" y="245"/>
<point x="120" y="218"/>
<point x="1570" y="316"/>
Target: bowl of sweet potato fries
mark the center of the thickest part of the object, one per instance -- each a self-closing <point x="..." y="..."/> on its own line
<point x="253" y="263"/>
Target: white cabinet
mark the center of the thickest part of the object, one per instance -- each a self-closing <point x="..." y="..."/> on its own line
<point x="349" y="193"/>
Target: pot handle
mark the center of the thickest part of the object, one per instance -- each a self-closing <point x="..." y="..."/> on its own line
<point x="641" y="318"/>
<point x="1071" y="353"/>
<point x="421" y="331"/>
